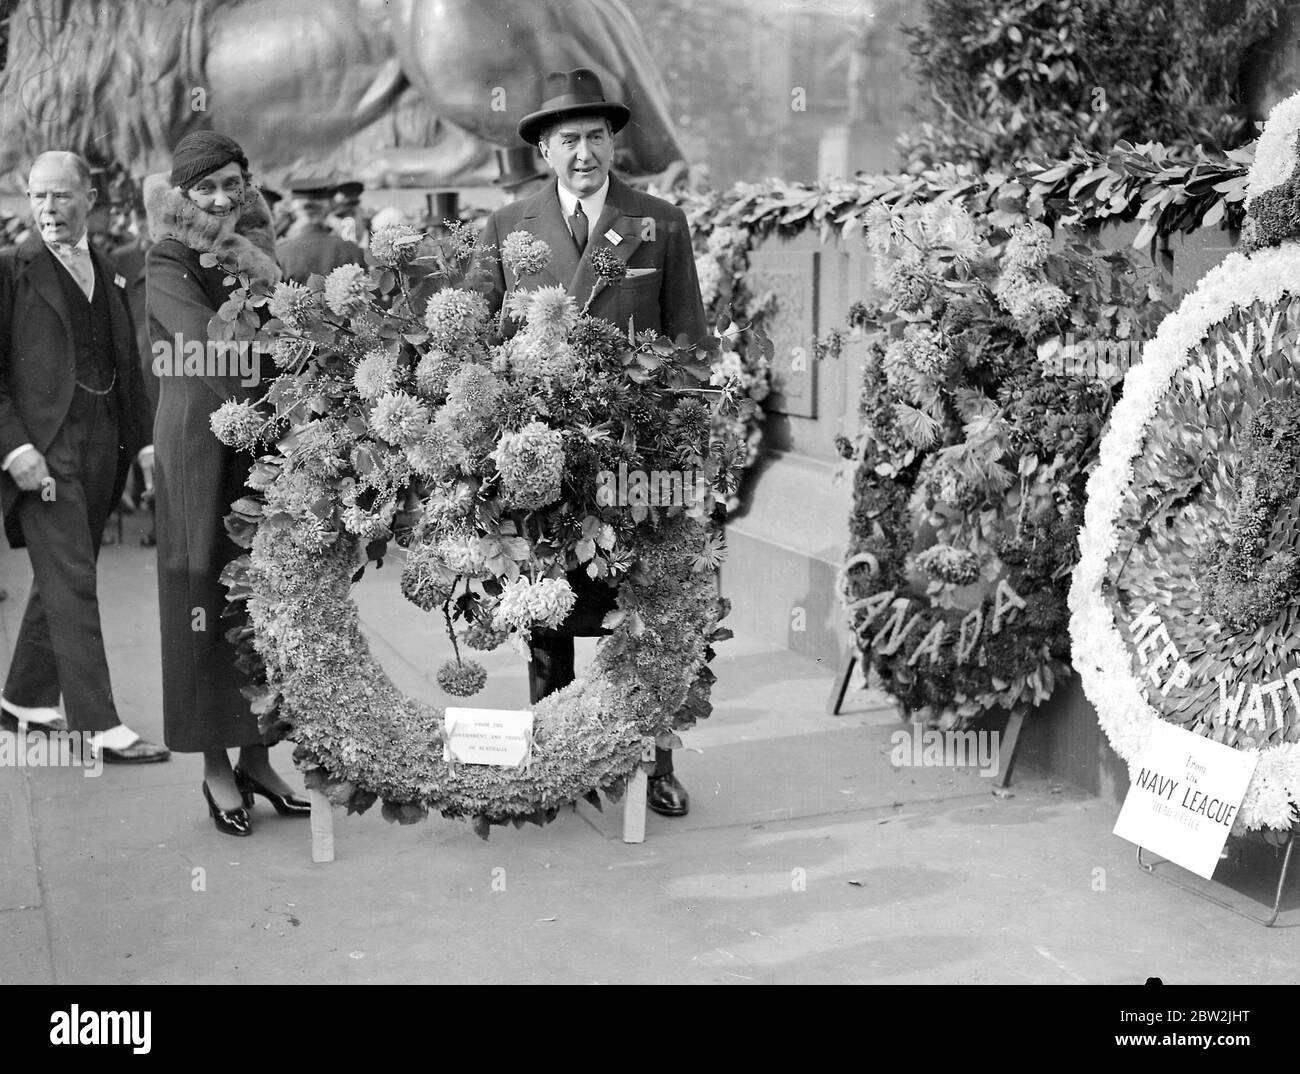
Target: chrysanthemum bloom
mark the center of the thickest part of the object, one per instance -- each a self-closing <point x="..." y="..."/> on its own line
<point x="437" y="452"/>
<point x="1028" y="245"/>
<point x="345" y="290"/>
<point x="462" y="678"/>
<point x="455" y="318"/>
<point x="433" y="372"/>
<point x="376" y="374"/>
<point x="523" y="603"/>
<point x="399" y="418"/>
<point x="394" y="244"/>
<point x="472" y="395"/>
<point x="524" y="254"/>
<point x="550" y="309"/>
<point x="426" y="581"/>
<point x="958" y="566"/>
<point x="448" y="505"/>
<point x="607" y="265"/>
<point x="462" y="555"/>
<point x="292" y="303"/>
<point x="908" y="285"/>
<point x="237" y="424"/>
<point x="368" y="525"/>
<point x="288" y="351"/>
<point x="531" y="465"/>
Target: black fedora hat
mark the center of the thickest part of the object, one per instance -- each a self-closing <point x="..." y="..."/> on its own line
<point x="572" y="93"/>
<point x="517" y="165"/>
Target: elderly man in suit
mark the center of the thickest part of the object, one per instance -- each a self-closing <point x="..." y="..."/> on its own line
<point x="73" y="415"/>
<point x="584" y="209"/>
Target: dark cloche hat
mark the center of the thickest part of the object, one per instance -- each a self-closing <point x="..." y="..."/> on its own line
<point x="517" y="165"/>
<point x="572" y="93"/>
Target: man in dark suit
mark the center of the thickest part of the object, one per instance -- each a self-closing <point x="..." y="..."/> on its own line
<point x="73" y="415"/>
<point x="311" y="248"/>
<point x="582" y="210"/>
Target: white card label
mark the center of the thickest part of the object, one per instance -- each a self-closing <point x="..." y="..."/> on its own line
<point x="1185" y="794"/>
<point x="614" y="237"/>
<point x="500" y="737"/>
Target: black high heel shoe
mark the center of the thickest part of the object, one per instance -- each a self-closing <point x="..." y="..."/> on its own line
<point x="287" y="805"/>
<point x="229" y="821"/>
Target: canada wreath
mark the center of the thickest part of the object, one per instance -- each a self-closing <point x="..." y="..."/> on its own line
<point x="405" y="413"/>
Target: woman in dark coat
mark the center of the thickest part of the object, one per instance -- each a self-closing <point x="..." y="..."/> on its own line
<point x="207" y="205"/>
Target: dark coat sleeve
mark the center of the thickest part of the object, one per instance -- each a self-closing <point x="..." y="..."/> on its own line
<point x="682" y="309"/>
<point x="179" y="305"/>
<point x="13" y="431"/>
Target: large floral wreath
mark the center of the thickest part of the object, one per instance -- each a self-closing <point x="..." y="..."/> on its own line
<point x="493" y="451"/>
<point x="975" y="435"/>
<point x="1186" y="603"/>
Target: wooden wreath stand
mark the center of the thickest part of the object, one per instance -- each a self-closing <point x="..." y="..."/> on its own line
<point x="634" y="806"/>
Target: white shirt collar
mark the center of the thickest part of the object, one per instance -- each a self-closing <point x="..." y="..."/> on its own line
<point x="83" y="244"/>
<point x="592" y="205"/>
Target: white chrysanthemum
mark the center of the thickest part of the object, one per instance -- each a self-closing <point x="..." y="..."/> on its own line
<point x="523" y="603"/>
<point x="1028" y="245"/>
<point x="433" y="372"/>
<point x="531" y="466"/>
<point x="461" y="553"/>
<point x="292" y="303"/>
<point x="1275" y="152"/>
<point x="345" y="290"/>
<point x="552" y="309"/>
<point x="400" y="419"/>
<point x="375" y="375"/>
<point x="455" y="318"/>
<point x="524" y="254"/>
<point x="237" y="424"/>
<point x="394" y="244"/>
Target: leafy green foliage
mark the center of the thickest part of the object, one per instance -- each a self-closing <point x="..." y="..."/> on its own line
<point x="1010" y="79"/>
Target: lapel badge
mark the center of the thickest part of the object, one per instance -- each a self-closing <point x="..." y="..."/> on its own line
<point x="614" y="237"/>
<point x="119" y="280"/>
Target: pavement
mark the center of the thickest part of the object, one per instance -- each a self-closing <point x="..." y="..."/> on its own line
<point x="808" y="856"/>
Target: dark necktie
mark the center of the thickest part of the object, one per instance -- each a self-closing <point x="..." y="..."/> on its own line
<point x="578" y="222"/>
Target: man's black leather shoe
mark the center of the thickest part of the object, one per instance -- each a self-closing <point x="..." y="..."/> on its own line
<point x="667" y="797"/>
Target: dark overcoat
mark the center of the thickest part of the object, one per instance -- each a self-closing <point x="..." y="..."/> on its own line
<point x="316" y="250"/>
<point x="197" y="477"/>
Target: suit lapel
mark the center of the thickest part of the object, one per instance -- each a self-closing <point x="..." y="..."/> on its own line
<point x="41" y="273"/>
<point x="613" y="218"/>
<point x="123" y="340"/>
<point x="546" y="221"/>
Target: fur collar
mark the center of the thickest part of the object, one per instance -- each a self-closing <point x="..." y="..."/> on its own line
<point x="249" y="248"/>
